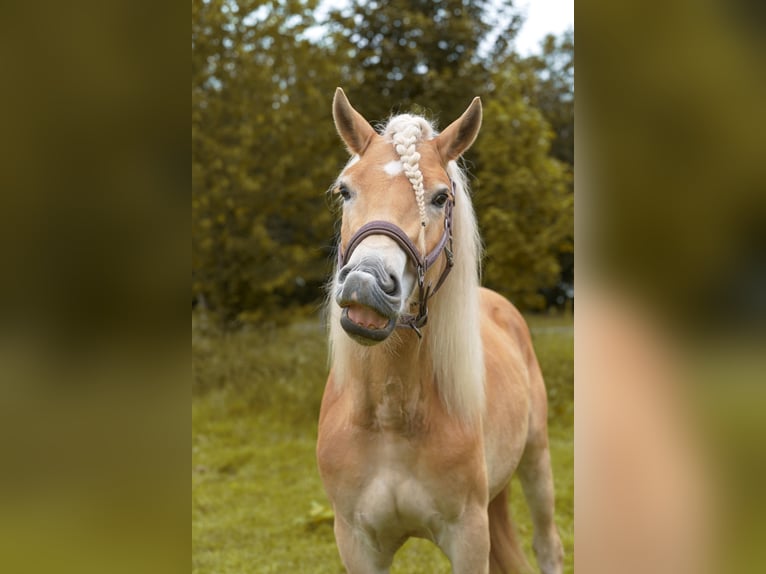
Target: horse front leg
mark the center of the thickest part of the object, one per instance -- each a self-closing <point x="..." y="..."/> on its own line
<point x="537" y="481"/>
<point x="358" y="550"/>
<point x="466" y="543"/>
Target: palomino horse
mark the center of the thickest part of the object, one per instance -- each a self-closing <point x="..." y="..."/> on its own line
<point x="435" y="396"/>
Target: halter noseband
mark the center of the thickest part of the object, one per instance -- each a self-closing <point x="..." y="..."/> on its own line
<point x="422" y="264"/>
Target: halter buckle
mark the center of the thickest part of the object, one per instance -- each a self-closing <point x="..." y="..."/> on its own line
<point x="421" y="276"/>
<point x="448" y="253"/>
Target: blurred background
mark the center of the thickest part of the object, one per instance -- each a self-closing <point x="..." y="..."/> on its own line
<point x="671" y="315"/>
<point x="265" y="150"/>
<point x="264" y="154"/>
<point x="94" y="355"/>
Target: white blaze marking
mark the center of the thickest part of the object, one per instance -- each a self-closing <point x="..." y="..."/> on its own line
<point x="393" y="167"/>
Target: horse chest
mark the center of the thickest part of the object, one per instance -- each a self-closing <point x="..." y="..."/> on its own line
<point x="392" y="472"/>
<point x="393" y="493"/>
<point x="400" y="498"/>
<point x="394" y="502"/>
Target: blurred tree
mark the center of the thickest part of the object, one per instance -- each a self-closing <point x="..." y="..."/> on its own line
<point x="522" y="195"/>
<point x="411" y="53"/>
<point x="264" y="149"/>
<point x="553" y="90"/>
<point x="263" y="153"/>
<point x="552" y="93"/>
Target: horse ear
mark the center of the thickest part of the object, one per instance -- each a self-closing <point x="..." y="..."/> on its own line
<point x="355" y="131"/>
<point x="460" y="134"/>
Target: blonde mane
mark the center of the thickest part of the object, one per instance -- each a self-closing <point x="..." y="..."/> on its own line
<point x="452" y="337"/>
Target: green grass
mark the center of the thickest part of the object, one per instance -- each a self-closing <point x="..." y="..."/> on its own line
<point x="257" y="501"/>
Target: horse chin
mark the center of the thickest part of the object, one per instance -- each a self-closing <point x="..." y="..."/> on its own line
<point x="366" y="335"/>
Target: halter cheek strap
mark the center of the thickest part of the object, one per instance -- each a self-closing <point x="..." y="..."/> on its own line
<point x="422" y="264"/>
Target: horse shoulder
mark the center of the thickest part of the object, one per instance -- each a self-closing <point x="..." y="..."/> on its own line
<point x="504" y="314"/>
<point x="509" y="396"/>
<point x="507" y="342"/>
<point x="505" y="318"/>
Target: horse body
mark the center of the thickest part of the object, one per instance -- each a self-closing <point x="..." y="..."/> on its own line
<point x="416" y="439"/>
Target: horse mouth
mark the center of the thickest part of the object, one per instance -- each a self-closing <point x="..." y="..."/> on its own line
<point x="366" y="325"/>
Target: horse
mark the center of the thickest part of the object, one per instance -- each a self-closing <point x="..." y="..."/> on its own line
<point x="434" y="396"/>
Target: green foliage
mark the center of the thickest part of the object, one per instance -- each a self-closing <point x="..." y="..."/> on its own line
<point x="264" y="148"/>
<point x="408" y="54"/>
<point x="522" y="195"/>
<point x="263" y="153"/>
<point x="553" y="91"/>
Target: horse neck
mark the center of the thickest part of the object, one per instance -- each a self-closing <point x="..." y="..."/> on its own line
<point x="392" y="384"/>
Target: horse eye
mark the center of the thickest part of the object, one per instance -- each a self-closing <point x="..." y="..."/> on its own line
<point x="344" y="192"/>
<point x="440" y="199"/>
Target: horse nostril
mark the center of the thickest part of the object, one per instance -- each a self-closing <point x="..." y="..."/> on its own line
<point x="391" y="287"/>
<point x="344" y="273"/>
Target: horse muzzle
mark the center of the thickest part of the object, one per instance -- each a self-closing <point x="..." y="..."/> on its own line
<point x="371" y="299"/>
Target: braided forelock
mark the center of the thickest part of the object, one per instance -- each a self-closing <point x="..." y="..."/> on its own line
<point x="406" y="132"/>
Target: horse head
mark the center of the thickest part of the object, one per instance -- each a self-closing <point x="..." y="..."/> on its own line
<point x="396" y="231"/>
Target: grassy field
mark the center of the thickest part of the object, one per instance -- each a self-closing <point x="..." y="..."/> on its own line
<point x="257" y="501"/>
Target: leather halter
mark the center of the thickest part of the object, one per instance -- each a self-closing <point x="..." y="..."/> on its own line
<point x="422" y="264"/>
